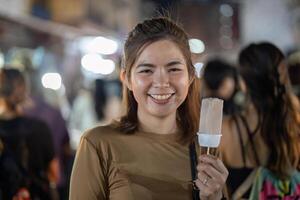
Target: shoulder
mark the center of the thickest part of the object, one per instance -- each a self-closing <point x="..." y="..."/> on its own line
<point x="102" y="134"/>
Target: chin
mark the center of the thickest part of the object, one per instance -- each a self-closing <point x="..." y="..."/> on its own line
<point x="161" y="113"/>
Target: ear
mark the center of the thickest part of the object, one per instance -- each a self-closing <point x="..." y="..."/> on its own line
<point x="124" y="79"/>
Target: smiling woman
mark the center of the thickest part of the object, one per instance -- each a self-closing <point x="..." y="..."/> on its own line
<point x="145" y="154"/>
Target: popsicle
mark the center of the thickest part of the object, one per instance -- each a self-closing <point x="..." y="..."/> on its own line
<point x="209" y="134"/>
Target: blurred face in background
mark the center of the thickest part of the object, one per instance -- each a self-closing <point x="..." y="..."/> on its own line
<point x="233" y="94"/>
<point x="226" y="89"/>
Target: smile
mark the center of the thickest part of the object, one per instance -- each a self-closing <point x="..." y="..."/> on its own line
<point x="161" y="96"/>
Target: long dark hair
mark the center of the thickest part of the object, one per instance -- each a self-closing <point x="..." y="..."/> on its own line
<point x="279" y="126"/>
<point x="139" y="38"/>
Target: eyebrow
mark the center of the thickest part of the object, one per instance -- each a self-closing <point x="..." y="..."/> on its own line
<point x="172" y="63"/>
<point x="177" y="62"/>
<point x="145" y="65"/>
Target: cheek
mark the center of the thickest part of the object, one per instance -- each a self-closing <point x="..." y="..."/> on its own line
<point x="182" y="90"/>
<point x="182" y="83"/>
<point x="139" y="86"/>
<point x="140" y="82"/>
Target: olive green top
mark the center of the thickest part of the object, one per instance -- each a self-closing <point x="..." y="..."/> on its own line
<point x="117" y="166"/>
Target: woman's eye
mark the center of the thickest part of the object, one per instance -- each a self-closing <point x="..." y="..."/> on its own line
<point x="146" y="71"/>
<point x="174" y="69"/>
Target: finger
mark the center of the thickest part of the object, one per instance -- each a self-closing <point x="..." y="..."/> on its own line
<point x="208" y="189"/>
<point x="204" y="190"/>
<point x="203" y="177"/>
<point x="216" y="163"/>
<point x="214" y="174"/>
<point x="215" y="183"/>
<point x="218" y="178"/>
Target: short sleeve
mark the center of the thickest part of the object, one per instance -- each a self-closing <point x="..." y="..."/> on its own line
<point x="88" y="179"/>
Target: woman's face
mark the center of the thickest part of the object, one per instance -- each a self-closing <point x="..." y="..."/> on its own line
<point x="159" y="79"/>
<point x="226" y="89"/>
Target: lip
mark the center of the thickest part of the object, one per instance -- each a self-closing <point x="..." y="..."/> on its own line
<point x="161" y="98"/>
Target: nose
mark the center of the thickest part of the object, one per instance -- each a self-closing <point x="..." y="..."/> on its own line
<point x="161" y="79"/>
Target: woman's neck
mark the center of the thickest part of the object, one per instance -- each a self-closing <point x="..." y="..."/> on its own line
<point x="159" y="125"/>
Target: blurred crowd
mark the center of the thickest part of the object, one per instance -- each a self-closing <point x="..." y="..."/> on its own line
<point x="38" y="139"/>
<point x="260" y="144"/>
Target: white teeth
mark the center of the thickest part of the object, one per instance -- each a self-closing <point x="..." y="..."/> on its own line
<point x="160" y="97"/>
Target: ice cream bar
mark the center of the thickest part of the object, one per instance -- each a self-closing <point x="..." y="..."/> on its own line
<point x="211" y="116"/>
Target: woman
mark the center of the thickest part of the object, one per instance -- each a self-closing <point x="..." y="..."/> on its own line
<point x="267" y="133"/>
<point x="28" y="167"/>
<point x="145" y="154"/>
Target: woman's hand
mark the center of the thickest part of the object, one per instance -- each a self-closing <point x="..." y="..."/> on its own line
<point x="212" y="175"/>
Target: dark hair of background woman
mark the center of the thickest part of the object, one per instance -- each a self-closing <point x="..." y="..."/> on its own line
<point x="279" y="126"/>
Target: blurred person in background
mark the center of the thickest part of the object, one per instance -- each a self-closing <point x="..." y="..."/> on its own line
<point x="262" y="148"/>
<point x="145" y="154"/>
<point x="83" y="114"/>
<point x="108" y="101"/>
<point x="28" y="166"/>
<point x="37" y="107"/>
<point x="222" y="80"/>
<point x="42" y="103"/>
<point x="101" y="98"/>
<point x="97" y="105"/>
